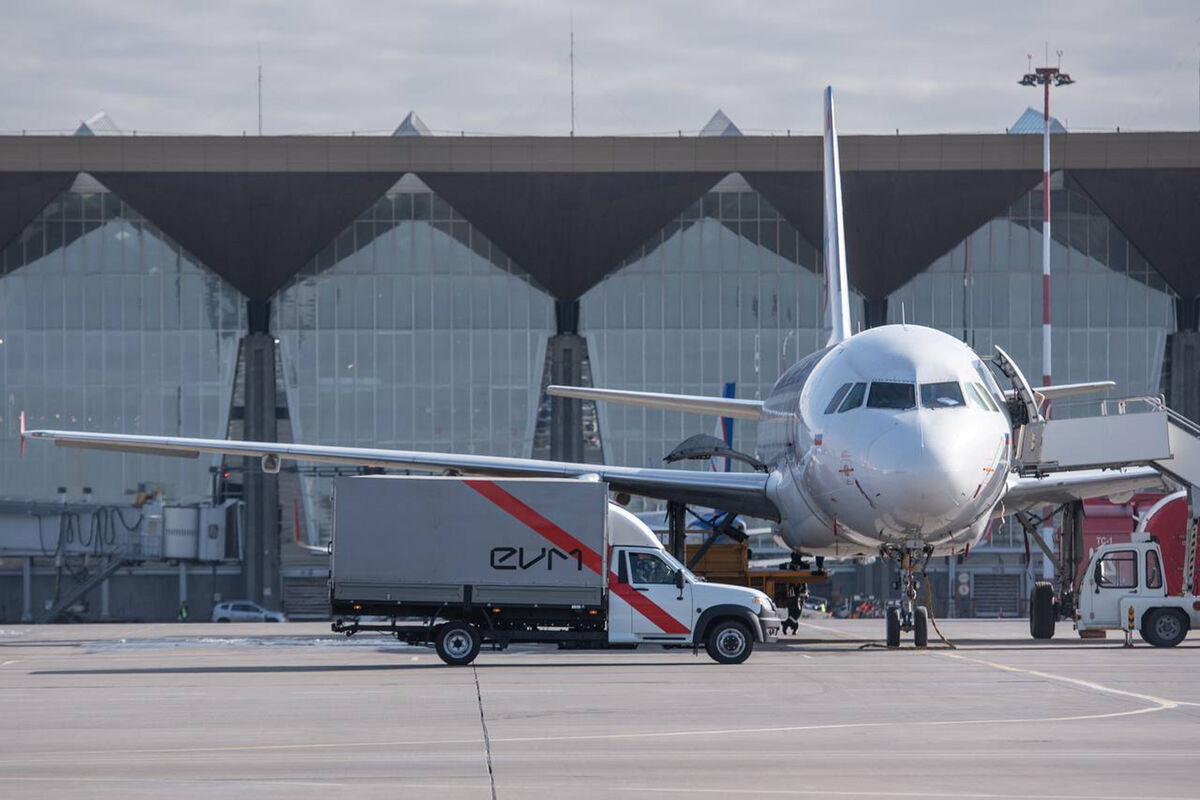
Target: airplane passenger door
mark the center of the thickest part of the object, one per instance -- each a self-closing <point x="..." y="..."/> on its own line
<point x="661" y="611"/>
<point x="1115" y="576"/>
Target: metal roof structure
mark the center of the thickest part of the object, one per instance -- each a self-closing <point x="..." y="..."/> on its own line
<point x="568" y="210"/>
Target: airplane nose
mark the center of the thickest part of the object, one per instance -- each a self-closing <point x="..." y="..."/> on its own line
<point x="923" y="471"/>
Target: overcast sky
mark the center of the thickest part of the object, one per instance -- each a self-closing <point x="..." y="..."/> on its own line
<point x="640" y="67"/>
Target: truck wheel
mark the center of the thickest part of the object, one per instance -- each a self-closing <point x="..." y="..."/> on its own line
<point x="729" y="642"/>
<point x="457" y="643"/>
<point x="893" y="627"/>
<point x="1041" y="610"/>
<point x="1164" y="627"/>
<point x="920" y="627"/>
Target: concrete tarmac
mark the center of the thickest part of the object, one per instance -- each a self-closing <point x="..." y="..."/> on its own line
<point x="292" y="711"/>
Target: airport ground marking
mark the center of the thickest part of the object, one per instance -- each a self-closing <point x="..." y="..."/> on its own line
<point x="843" y="793"/>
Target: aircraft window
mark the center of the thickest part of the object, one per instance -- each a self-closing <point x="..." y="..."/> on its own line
<point x="974" y="398"/>
<point x="854" y="398"/>
<point x="993" y="388"/>
<point x="942" y="395"/>
<point x="837" y="398"/>
<point x="987" y="398"/>
<point x="885" y="394"/>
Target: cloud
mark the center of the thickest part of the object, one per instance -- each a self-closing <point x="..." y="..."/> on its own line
<point x="502" y="67"/>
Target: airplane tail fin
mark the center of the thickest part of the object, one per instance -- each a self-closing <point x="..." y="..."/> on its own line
<point x="837" y="286"/>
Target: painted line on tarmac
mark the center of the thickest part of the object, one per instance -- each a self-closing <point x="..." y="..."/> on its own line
<point x="6" y="663"/>
<point x="1160" y="703"/>
<point x="836" y="793"/>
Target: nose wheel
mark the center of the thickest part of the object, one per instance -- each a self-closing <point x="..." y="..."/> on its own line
<point x="908" y="617"/>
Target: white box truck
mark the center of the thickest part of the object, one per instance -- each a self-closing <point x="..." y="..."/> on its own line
<point x="463" y="562"/>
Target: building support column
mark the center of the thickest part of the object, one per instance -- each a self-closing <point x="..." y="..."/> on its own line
<point x="261" y="557"/>
<point x="874" y="312"/>
<point x="27" y="590"/>
<point x="183" y="587"/>
<point x="566" y="369"/>
<point x="105" y="600"/>
<point x="1181" y="372"/>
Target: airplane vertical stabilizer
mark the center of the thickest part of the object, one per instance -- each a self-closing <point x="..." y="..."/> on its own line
<point x="837" y="286"/>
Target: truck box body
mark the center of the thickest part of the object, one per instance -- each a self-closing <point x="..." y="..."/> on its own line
<point x="429" y="540"/>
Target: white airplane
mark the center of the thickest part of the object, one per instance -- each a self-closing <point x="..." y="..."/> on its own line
<point x="896" y="441"/>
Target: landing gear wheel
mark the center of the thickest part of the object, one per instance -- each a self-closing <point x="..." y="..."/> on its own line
<point x="729" y="642"/>
<point x="1041" y="610"/>
<point x="893" y="627"/>
<point x="920" y="626"/>
<point x="457" y="643"/>
<point x="1165" y="627"/>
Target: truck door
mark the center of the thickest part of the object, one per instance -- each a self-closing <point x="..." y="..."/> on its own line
<point x="1115" y="575"/>
<point x="665" y="611"/>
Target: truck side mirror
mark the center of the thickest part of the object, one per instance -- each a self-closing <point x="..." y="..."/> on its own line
<point x="679" y="580"/>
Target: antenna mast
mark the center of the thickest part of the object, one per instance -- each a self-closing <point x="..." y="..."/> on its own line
<point x="260" y="88"/>
<point x="572" y="73"/>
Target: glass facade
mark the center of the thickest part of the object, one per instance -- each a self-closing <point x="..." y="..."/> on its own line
<point x="727" y="292"/>
<point x="412" y="331"/>
<point x="1111" y="310"/>
<point x="108" y="325"/>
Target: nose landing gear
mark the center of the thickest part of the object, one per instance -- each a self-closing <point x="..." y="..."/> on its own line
<point x="908" y="617"/>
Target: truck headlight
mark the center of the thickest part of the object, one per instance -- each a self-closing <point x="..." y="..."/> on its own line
<point x="764" y="602"/>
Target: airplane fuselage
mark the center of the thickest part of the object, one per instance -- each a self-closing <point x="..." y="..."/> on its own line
<point x="897" y="435"/>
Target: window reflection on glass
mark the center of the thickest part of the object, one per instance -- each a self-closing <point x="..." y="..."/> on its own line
<point x="1117" y="570"/>
<point x="1153" y="571"/>
<point x="647" y="568"/>
<point x="946" y="394"/>
<point x="109" y="325"/>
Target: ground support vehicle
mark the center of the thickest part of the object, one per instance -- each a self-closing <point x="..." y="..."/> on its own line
<point x="1127" y="586"/>
<point x="786" y="585"/>
<point x="459" y="563"/>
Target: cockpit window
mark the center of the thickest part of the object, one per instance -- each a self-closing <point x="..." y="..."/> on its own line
<point x="854" y="398"/>
<point x="975" y="399"/>
<point x="837" y="398"/>
<point x="896" y="396"/>
<point x="947" y="394"/>
<point x="984" y="397"/>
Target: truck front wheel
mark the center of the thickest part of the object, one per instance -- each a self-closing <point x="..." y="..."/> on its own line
<point x="457" y="643"/>
<point x="1165" y="627"/>
<point x="729" y="642"/>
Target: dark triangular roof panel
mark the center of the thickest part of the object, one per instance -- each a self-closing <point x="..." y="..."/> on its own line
<point x="569" y="230"/>
<point x="23" y="195"/>
<point x="256" y="229"/>
<point x="1157" y="210"/>
<point x="897" y="222"/>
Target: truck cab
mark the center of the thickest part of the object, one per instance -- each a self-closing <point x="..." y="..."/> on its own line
<point x="1124" y="588"/>
<point x="656" y="600"/>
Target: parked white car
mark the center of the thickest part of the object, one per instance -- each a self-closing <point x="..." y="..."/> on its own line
<point x="245" y="611"/>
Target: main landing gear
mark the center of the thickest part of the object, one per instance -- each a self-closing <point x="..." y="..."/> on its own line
<point x="909" y="617"/>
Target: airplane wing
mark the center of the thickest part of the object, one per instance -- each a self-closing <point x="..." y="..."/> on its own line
<point x="1065" y="487"/>
<point x="741" y="492"/>
<point x="690" y="403"/>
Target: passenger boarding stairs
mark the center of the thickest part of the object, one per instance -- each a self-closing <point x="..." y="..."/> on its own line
<point x="1128" y="432"/>
<point x="105" y="572"/>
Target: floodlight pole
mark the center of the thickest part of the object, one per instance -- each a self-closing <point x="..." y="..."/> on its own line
<point x="1044" y="77"/>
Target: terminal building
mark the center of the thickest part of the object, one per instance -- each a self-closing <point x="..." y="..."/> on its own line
<point x="419" y="292"/>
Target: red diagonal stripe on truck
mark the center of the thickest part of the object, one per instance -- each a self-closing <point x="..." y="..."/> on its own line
<point x="591" y="559"/>
<point x="544" y="527"/>
<point x="645" y="606"/>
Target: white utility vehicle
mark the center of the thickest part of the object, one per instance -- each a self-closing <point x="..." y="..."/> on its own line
<point x="1125" y="588"/>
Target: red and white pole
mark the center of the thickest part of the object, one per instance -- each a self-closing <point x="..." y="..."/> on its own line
<point x="1046" y="348"/>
